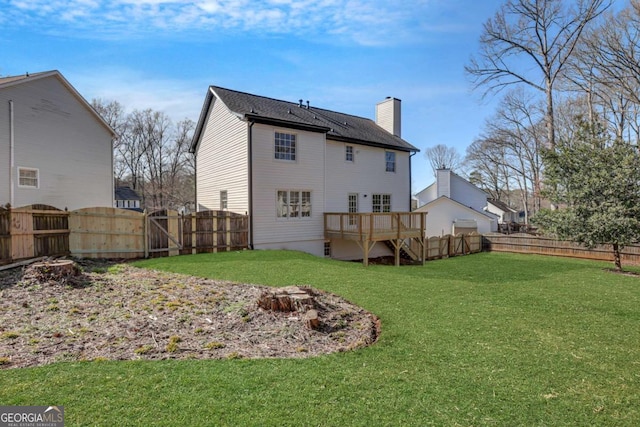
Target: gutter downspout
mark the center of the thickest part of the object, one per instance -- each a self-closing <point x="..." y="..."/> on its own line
<point x="195" y="183"/>
<point x="250" y="178"/>
<point x="410" y="178"/>
<point x="12" y="143"/>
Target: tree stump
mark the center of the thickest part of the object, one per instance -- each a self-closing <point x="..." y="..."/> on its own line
<point x="311" y="319"/>
<point x="53" y="270"/>
<point x="288" y="299"/>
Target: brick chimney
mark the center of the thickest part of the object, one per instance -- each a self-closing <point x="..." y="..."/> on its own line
<point x="388" y="115"/>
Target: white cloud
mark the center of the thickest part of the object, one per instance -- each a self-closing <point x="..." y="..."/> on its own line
<point x="177" y="98"/>
<point x="361" y="21"/>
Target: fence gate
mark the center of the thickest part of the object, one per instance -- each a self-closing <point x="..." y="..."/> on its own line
<point x="164" y="233"/>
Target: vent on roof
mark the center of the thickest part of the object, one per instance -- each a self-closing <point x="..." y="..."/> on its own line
<point x="300" y="105"/>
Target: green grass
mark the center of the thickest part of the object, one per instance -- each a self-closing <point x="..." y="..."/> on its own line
<point x="488" y="339"/>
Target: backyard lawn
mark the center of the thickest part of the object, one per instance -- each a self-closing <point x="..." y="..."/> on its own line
<point x="486" y="339"/>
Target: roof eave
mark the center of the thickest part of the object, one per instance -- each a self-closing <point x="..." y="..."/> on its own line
<point x="341" y="138"/>
<point x="286" y="123"/>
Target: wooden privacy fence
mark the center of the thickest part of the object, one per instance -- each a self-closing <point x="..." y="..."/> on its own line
<point x="449" y="245"/>
<point x="40" y="230"/>
<point x="540" y="245"/>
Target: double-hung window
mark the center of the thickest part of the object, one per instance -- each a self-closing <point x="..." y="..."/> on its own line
<point x="285" y="146"/>
<point x="390" y="161"/>
<point x="381" y="203"/>
<point x="348" y="153"/>
<point x="224" y="196"/>
<point x="293" y="204"/>
<point x="28" y="178"/>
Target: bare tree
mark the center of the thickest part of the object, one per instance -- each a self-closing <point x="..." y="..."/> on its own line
<point x="606" y="69"/>
<point x="529" y="42"/>
<point x="615" y="50"/>
<point x="443" y="157"/>
<point x="509" y="151"/>
<point x="151" y="154"/>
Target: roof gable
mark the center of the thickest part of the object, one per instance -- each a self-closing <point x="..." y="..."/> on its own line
<point x="445" y="199"/>
<point x="6" y="82"/>
<point x="126" y="193"/>
<point x="501" y="205"/>
<point x="337" y="126"/>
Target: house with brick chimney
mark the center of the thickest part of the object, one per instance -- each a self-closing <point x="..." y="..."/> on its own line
<point x="455" y="206"/>
<point x="307" y="177"/>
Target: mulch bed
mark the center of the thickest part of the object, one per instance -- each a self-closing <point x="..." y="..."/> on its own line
<point x="119" y="312"/>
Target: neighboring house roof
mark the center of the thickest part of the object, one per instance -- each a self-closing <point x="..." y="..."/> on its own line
<point x="126" y="193"/>
<point x="466" y="181"/>
<point x="501" y="205"/>
<point x="337" y="126"/>
<point x="445" y="199"/>
<point x="10" y="81"/>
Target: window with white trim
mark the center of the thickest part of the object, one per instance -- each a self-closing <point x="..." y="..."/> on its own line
<point x="285" y="146"/>
<point x="390" y="161"/>
<point x="353" y="207"/>
<point x="348" y="153"/>
<point x="293" y="204"/>
<point x="381" y="203"/>
<point x="28" y="178"/>
<point x="223" y="199"/>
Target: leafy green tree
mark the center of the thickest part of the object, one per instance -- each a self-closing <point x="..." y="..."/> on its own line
<point x="596" y="181"/>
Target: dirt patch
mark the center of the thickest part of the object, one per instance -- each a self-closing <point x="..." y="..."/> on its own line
<point x="116" y="311"/>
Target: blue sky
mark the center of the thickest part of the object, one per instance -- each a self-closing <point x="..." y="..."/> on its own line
<point x="343" y="55"/>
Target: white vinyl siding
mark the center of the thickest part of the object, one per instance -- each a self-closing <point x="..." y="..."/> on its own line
<point x="60" y="136"/>
<point x="304" y="178"/>
<point x="222" y="161"/>
<point x="365" y="177"/>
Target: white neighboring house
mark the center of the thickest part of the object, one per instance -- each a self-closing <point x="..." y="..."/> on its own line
<point x="127" y="198"/>
<point x="286" y="164"/>
<point x="505" y="213"/>
<point x="55" y="149"/>
<point x="454" y="206"/>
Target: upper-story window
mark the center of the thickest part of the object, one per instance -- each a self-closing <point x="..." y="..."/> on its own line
<point x="28" y="177"/>
<point x="348" y="153"/>
<point x="285" y="146"/>
<point x="390" y="161"/>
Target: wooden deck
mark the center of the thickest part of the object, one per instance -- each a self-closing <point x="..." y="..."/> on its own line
<point x="398" y="228"/>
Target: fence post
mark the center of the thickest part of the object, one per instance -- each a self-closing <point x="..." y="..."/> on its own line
<point x="145" y="233"/>
<point x="228" y="231"/>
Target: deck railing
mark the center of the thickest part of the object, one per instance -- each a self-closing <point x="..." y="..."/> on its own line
<point x="374" y="226"/>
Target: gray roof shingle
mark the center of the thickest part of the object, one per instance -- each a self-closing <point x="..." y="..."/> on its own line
<point x="127" y="193"/>
<point x="337" y="126"/>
